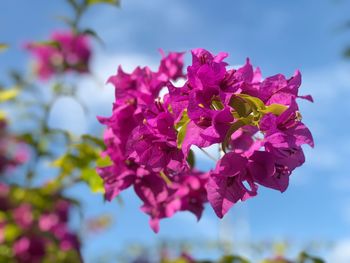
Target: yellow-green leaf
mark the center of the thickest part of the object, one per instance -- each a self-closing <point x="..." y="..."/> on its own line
<point x="165" y="178"/>
<point x="181" y="135"/>
<point x="183" y="120"/>
<point x="255" y="102"/>
<point x="276" y="109"/>
<point x="181" y="128"/>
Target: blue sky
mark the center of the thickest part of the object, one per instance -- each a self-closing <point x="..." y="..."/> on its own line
<point x="279" y="37"/>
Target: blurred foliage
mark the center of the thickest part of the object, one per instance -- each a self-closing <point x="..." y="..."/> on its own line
<point x="8" y="94"/>
<point x="3" y="47"/>
<point x="80" y="161"/>
<point x="33" y="226"/>
<point x="186" y="258"/>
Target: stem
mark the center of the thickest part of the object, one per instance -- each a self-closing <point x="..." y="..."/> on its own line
<point x="42" y="132"/>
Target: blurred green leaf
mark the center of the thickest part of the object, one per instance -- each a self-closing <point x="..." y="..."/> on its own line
<point x="6" y="253"/>
<point x="91" y="139"/>
<point x="2" y="115"/>
<point x="3" y="47"/>
<point x="93" y="34"/>
<point x="104" y="161"/>
<point x="8" y="94"/>
<point x="346" y="52"/>
<point x="27" y="138"/>
<point x="11" y="232"/>
<point x="233" y="259"/>
<point x="112" y="2"/>
<point x="306" y="258"/>
<point x="80" y="162"/>
<point x="94" y="181"/>
<point x="50" y="43"/>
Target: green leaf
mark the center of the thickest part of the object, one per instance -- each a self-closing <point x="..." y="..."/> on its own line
<point x="234" y="127"/>
<point x="94" y="181"/>
<point x="191" y="159"/>
<point x="111" y="2"/>
<point x="241" y="106"/>
<point x="216" y="103"/>
<point x="256" y="103"/>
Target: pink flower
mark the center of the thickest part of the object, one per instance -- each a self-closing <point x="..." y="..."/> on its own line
<point x="226" y="183"/>
<point x="172" y="64"/>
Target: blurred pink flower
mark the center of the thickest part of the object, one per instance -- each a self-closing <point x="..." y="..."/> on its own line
<point x="65" y="51"/>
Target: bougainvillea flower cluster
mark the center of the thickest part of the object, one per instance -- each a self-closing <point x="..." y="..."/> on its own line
<point x="150" y="139"/>
<point x="35" y="226"/>
<point x="64" y="51"/>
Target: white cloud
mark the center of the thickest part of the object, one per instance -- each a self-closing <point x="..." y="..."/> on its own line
<point x="341" y="252"/>
<point x="68" y="115"/>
